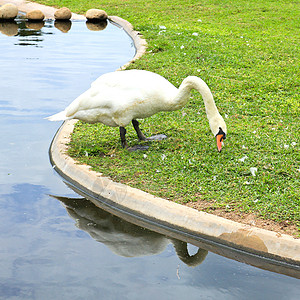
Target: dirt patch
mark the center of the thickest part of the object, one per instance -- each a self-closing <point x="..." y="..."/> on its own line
<point x="246" y="218"/>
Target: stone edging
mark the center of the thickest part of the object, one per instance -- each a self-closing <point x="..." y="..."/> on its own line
<point x="259" y="242"/>
<point x="139" y="43"/>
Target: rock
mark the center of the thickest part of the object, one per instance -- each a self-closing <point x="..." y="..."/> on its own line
<point x="63" y="14"/>
<point x="35" y="15"/>
<point x="8" y="11"/>
<point x="96" y="15"/>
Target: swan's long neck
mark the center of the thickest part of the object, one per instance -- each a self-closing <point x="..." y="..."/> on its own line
<point x="184" y="92"/>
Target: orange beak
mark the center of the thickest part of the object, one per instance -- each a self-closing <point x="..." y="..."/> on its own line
<point x="219" y="138"/>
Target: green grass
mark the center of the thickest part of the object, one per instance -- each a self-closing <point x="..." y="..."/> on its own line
<point x="248" y="53"/>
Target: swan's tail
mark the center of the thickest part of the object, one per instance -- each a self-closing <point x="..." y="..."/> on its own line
<point x="61" y="116"/>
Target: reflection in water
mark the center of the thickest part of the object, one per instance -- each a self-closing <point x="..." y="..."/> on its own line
<point x="35" y="25"/>
<point x="96" y="26"/>
<point x="64" y="26"/>
<point x="26" y="31"/>
<point x="122" y="237"/>
<point x="79" y="209"/>
<point x="9" y="28"/>
<point x="30" y="29"/>
<point x="29" y="33"/>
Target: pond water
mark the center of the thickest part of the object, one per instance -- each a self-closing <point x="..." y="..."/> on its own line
<point x="65" y="247"/>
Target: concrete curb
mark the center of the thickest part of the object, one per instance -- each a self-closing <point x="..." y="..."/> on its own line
<point x="260" y="243"/>
<point x="281" y="253"/>
<point x="139" y="43"/>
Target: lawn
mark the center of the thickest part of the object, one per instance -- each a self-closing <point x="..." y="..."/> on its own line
<point x="248" y="54"/>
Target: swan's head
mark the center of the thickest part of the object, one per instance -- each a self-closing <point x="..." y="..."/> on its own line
<point x="219" y="130"/>
<point x="220" y="137"/>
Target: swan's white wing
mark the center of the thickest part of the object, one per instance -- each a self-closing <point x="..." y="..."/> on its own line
<point x="118" y="97"/>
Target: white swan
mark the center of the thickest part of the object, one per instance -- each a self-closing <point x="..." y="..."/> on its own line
<point x="121" y="97"/>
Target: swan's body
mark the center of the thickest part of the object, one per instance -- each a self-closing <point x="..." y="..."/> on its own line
<point x="121" y="97"/>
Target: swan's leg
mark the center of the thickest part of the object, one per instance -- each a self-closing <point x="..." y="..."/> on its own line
<point x="142" y="137"/>
<point x="139" y="133"/>
<point x="123" y="138"/>
<point x="124" y="142"/>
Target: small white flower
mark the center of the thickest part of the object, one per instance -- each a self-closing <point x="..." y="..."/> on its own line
<point x="286" y="146"/>
<point x="255" y="201"/>
<point x="215" y="178"/>
<point x="253" y="170"/>
<point x="162" y="27"/>
<point x="226" y="116"/>
<point x="195" y="34"/>
<point x="243" y="147"/>
<point x="199" y="20"/>
<point x="157" y="171"/>
<point x="254" y="131"/>
<point x="243" y="158"/>
<point x="163" y="156"/>
<point x="247" y="182"/>
<point x="86" y="153"/>
<point x="198" y="70"/>
<point x="227" y="206"/>
<point x="294" y="144"/>
<point x="181" y="47"/>
<point x="145" y="155"/>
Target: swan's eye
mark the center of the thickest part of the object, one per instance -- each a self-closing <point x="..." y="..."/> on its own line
<point x="222" y="133"/>
<point x="224" y="136"/>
